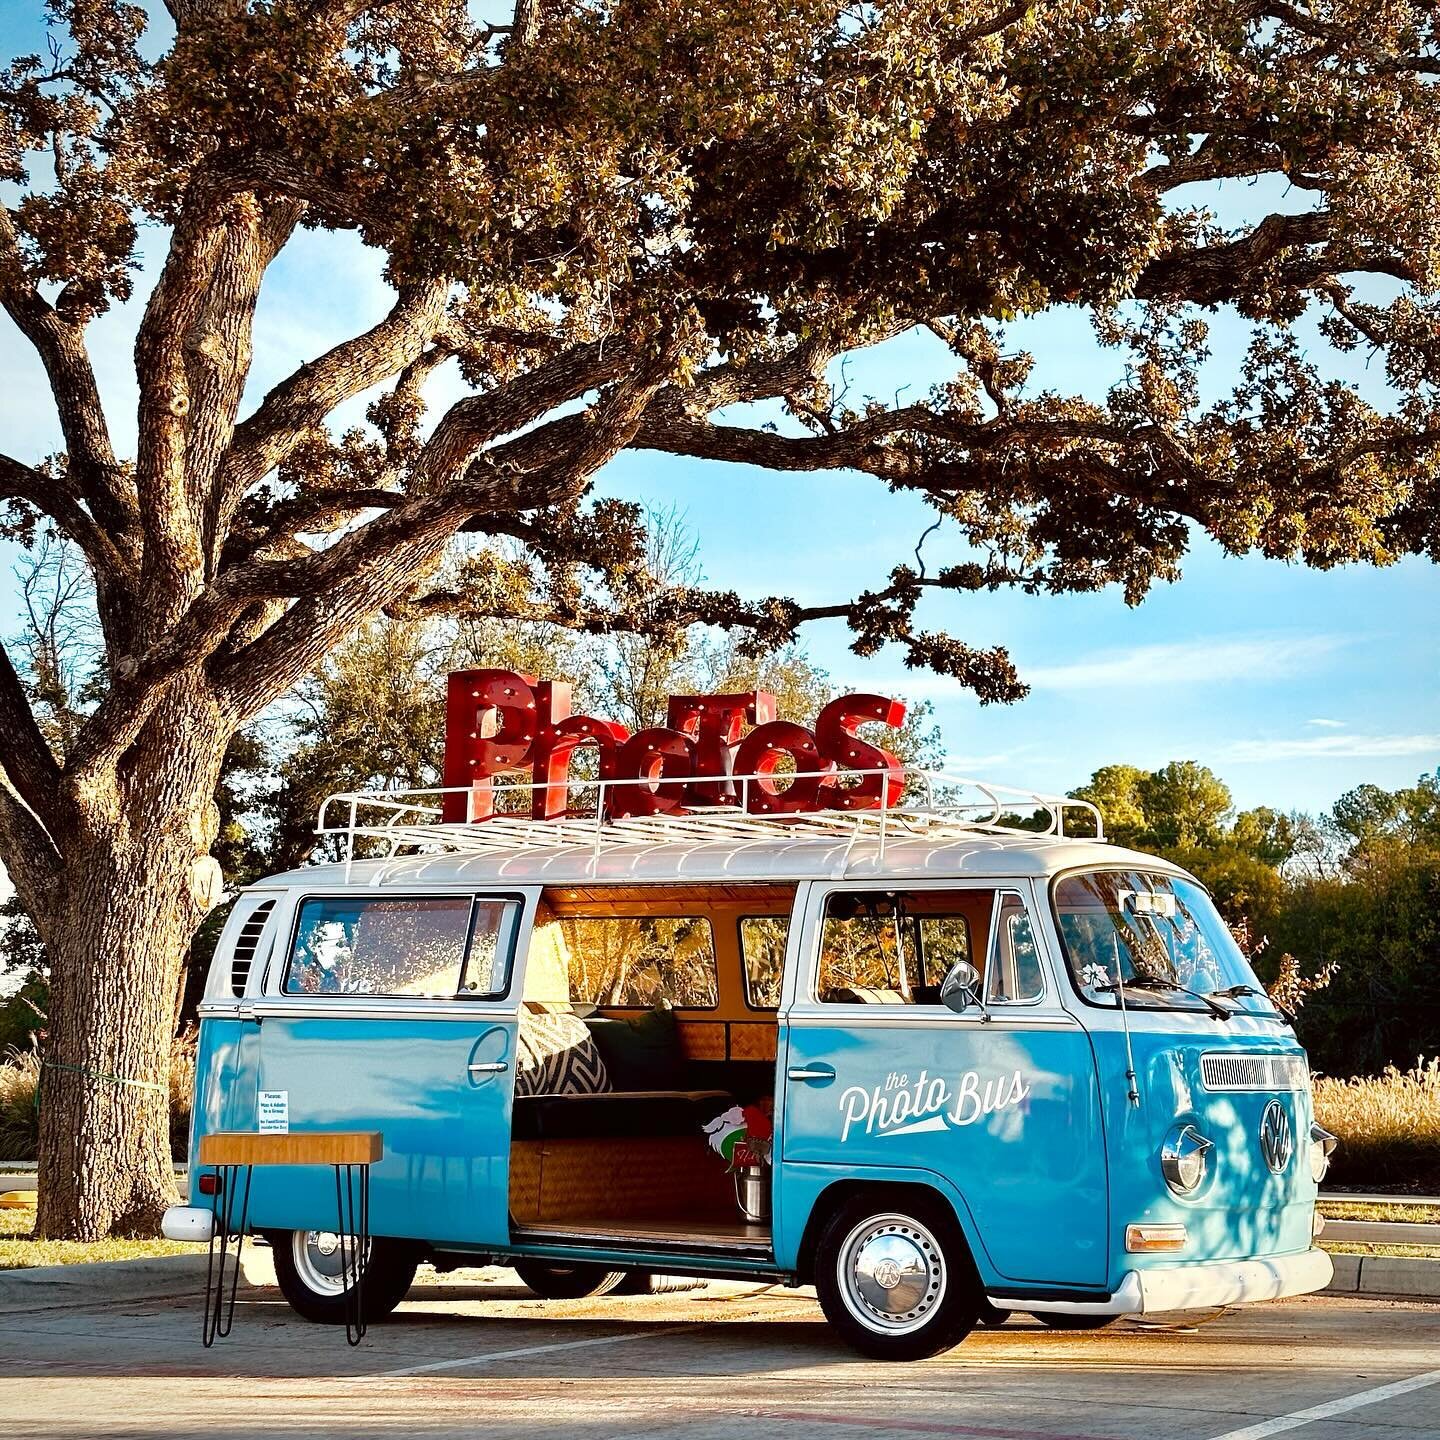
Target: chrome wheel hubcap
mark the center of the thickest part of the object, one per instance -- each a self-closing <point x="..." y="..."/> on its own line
<point x="891" y="1273"/>
<point x="320" y="1261"/>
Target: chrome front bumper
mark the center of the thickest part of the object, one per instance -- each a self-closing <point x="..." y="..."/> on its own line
<point x="1195" y="1287"/>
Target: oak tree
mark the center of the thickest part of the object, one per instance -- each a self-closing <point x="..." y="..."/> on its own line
<point x="653" y="226"/>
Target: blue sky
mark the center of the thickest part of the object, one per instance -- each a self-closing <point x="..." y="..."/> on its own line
<point x="1293" y="685"/>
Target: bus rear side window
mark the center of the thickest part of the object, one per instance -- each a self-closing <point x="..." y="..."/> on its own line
<point x="636" y="961"/>
<point x="431" y="946"/>
<point x="762" y="943"/>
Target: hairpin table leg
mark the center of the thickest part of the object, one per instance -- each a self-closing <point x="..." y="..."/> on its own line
<point x="220" y="1316"/>
<point x="354" y="1232"/>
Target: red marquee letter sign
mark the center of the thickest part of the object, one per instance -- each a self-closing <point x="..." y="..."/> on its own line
<point x="659" y="761"/>
<point x="836" y="731"/>
<point x="761" y="752"/>
<point x="714" y="722"/>
<point x="491" y="720"/>
<point x="556" y="742"/>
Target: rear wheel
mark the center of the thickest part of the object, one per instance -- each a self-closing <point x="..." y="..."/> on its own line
<point x="568" y="1282"/>
<point x="1057" y="1321"/>
<point x="308" y="1267"/>
<point x="895" y="1277"/>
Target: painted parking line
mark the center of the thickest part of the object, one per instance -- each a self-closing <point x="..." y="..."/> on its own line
<point x="1331" y="1408"/>
<point x="546" y="1349"/>
<point x="918" y="1427"/>
<point x="784" y="1312"/>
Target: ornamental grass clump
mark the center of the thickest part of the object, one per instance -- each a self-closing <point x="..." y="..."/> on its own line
<point x="1388" y="1124"/>
<point x="19" y="1119"/>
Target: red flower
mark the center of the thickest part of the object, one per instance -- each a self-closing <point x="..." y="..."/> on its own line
<point x="757" y="1123"/>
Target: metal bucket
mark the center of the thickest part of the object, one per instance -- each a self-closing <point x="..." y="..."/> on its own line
<point x="752" y="1193"/>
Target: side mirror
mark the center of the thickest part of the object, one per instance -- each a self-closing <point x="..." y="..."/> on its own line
<point x="960" y="988"/>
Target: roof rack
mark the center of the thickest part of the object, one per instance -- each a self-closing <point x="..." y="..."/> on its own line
<point x="935" y="805"/>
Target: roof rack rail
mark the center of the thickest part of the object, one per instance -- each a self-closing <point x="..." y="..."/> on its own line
<point x="936" y="804"/>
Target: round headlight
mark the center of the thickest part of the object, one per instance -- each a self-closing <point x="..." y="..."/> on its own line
<point x="1322" y="1147"/>
<point x="1184" y="1159"/>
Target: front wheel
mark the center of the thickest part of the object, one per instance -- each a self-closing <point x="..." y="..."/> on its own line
<point x="309" y="1270"/>
<point x="896" y="1279"/>
<point x="1057" y="1321"/>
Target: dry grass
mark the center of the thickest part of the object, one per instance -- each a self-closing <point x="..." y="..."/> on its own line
<point x="1389" y="1127"/>
<point x="19" y="1119"/>
<point x="1397" y="1252"/>
<point x="18" y="1250"/>
<point x="1387" y="1214"/>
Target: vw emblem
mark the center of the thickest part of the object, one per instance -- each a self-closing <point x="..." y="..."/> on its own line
<point x="887" y="1274"/>
<point x="1277" y="1144"/>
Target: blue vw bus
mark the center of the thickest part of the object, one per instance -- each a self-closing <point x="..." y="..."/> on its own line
<point x="1007" y="1070"/>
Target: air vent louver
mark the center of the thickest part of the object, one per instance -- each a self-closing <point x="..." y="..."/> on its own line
<point x="246" y="943"/>
<point x="1229" y="1071"/>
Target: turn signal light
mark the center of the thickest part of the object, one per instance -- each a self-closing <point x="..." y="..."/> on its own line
<point x="209" y="1185"/>
<point x="1141" y="1239"/>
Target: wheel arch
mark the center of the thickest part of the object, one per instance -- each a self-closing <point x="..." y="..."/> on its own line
<point x="894" y="1189"/>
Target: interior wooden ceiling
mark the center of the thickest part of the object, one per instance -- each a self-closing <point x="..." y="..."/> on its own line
<point x="667" y="899"/>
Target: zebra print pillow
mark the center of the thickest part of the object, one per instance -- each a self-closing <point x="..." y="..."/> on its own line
<point x="555" y="1055"/>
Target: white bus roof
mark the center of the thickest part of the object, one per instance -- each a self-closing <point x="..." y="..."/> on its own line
<point x="763" y="858"/>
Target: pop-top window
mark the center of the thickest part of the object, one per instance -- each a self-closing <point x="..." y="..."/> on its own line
<point x="762" y="944"/>
<point x="1158" y="936"/>
<point x="431" y="946"/>
<point x="637" y="961"/>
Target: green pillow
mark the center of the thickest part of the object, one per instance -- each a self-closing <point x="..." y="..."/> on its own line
<point x="643" y="1053"/>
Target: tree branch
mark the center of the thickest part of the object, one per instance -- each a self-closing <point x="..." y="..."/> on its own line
<point x="24" y="754"/>
<point x="306" y="397"/>
<point x="61" y="348"/>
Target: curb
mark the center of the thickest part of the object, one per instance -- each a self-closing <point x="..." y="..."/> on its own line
<point x="158" y="1277"/>
<point x="1412" y="1279"/>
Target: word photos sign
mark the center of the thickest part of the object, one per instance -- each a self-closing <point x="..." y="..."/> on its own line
<point x="500" y="723"/>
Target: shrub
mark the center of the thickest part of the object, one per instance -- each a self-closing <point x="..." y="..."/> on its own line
<point x="1388" y="1124"/>
<point x="19" y="1119"/>
<point x="182" y="1088"/>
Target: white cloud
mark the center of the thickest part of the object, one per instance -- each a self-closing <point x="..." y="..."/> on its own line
<point x="1327" y="724"/>
<point x="1205" y="660"/>
<point x="1329" y="747"/>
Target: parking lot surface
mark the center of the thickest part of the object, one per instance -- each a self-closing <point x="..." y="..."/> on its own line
<point x="723" y="1361"/>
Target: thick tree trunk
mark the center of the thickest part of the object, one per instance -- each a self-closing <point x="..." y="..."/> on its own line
<point x="116" y="944"/>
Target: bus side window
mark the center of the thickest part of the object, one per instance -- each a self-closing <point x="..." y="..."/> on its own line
<point x="762" y="943"/>
<point x="895" y="947"/>
<point x="1014" y="973"/>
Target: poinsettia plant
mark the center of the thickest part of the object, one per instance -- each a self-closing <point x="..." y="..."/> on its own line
<point x="743" y="1134"/>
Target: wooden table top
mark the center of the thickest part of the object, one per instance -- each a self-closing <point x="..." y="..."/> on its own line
<point x="316" y="1147"/>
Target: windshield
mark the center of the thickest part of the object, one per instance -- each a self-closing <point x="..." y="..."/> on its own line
<point x="1153" y="932"/>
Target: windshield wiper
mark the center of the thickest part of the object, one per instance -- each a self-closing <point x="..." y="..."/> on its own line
<point x="1153" y="982"/>
<point x="1240" y="992"/>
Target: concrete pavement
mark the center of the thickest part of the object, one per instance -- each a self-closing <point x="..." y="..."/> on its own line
<point x="719" y="1364"/>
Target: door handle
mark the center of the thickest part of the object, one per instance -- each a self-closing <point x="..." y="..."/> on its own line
<point x="813" y="1072"/>
<point x="487" y="1067"/>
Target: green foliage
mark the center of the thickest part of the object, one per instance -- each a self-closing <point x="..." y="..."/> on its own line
<point x="1355" y="895"/>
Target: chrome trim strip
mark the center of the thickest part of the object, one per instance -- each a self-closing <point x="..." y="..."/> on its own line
<point x="868" y="1018"/>
<point x="344" y="1008"/>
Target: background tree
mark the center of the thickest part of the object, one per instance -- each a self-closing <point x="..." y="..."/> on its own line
<point x="622" y="220"/>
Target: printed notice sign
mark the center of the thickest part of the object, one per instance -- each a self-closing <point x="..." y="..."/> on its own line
<point x="274" y="1112"/>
